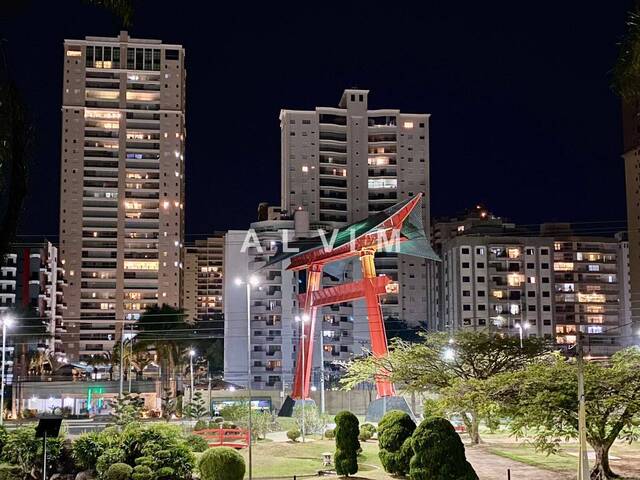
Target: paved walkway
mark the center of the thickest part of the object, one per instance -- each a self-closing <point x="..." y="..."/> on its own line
<point x="494" y="467"/>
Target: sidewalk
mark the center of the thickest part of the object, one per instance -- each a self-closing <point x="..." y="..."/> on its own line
<point x="494" y="467"/>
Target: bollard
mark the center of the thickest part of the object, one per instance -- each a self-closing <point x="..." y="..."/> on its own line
<point x="508" y="474"/>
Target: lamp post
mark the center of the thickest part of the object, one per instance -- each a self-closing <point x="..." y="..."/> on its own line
<point x="252" y="281"/>
<point x="521" y="327"/>
<point x="302" y="320"/>
<point x="7" y="321"/>
<point x="192" y="354"/>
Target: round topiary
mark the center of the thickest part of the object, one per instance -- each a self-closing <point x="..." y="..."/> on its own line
<point x="364" y="435"/>
<point x="438" y="453"/>
<point x="369" y="427"/>
<point x="395" y="428"/>
<point x="347" y="444"/>
<point x="329" y="433"/>
<point x="294" y="434"/>
<point x="142" y="472"/>
<point x="197" y="443"/>
<point x="119" y="471"/>
<point x="221" y="463"/>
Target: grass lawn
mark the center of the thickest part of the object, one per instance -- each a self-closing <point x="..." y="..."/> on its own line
<point x="277" y="459"/>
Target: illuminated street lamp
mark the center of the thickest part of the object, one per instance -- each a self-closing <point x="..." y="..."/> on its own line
<point x="192" y="354"/>
<point x="7" y="321"/>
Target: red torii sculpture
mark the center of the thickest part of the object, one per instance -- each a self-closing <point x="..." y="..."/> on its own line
<point x="388" y="233"/>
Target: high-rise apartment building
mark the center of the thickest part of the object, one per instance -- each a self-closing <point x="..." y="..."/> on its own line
<point x="203" y="278"/>
<point x="343" y="164"/>
<point x="631" y="156"/>
<point x="122" y="184"/>
<point x="587" y="290"/>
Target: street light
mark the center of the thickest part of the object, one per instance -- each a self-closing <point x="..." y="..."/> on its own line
<point x="302" y="320"/>
<point x="7" y="321"/>
<point x="521" y="327"/>
<point x="252" y="281"/>
<point x="449" y="354"/>
<point x="192" y="354"/>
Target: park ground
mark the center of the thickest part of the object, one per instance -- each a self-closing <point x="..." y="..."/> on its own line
<point x="278" y="457"/>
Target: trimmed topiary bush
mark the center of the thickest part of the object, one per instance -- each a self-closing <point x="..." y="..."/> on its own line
<point x="221" y="463"/>
<point x="394" y="435"/>
<point x="197" y="443"/>
<point x="119" y="471"/>
<point x="364" y="435"/>
<point x="369" y="427"/>
<point x="347" y="444"/>
<point x="200" y="425"/>
<point x="438" y="453"/>
<point x="329" y="433"/>
<point x="294" y="434"/>
<point x="108" y="458"/>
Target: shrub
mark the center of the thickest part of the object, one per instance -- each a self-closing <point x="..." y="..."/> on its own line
<point x="228" y="425"/>
<point x="3" y="436"/>
<point x="10" y="472"/>
<point x="294" y="434"/>
<point x="329" y="433"/>
<point x="235" y="412"/>
<point x="197" y="443"/>
<point x="142" y="472"/>
<point x="221" y="463"/>
<point x="22" y="448"/>
<point x="364" y="435"/>
<point x="108" y="458"/>
<point x="347" y="444"/>
<point x="394" y="432"/>
<point x="368" y="427"/>
<point x="200" y="425"/>
<point x="438" y="453"/>
<point x="118" y="471"/>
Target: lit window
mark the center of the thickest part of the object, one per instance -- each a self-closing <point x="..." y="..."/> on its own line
<point x="563" y="266"/>
<point x="514" y="309"/>
<point x="591" y="298"/>
<point x="557" y="246"/>
<point x="74" y="53"/>
<point x="515" y="279"/>
<point x="497" y="294"/>
<point x="594" y="329"/>
<point x="378" y="161"/>
<point x="165" y="204"/>
<point x="344" y="172"/>
<point x="305" y="169"/>
<point x="105" y="114"/>
<point x="141" y="265"/>
<point x="461" y="228"/>
<point x="532" y="279"/>
<point x="594" y="268"/>
<point x="376" y="183"/>
<point x="408" y="124"/>
<point x="513" y="252"/>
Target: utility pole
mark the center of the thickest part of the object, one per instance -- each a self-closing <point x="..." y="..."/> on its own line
<point x="121" y="358"/>
<point x="583" y="459"/>
<point x="321" y="367"/>
<point x="130" y="353"/>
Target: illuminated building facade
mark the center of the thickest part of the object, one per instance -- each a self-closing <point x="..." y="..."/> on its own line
<point x="343" y="164"/>
<point x="587" y="292"/>
<point x="122" y="184"/>
<point x="203" y="278"/>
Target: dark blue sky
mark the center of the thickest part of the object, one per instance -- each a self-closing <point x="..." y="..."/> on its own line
<point x="523" y="118"/>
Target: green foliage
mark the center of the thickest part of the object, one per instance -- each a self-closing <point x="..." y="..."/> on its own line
<point x="459" y="380"/>
<point x="294" y="434"/>
<point x="542" y="400"/>
<point x="3" y="436"/>
<point x="314" y="422"/>
<point x="200" y="425"/>
<point x="221" y="463"/>
<point x="108" y="458"/>
<point x="118" y="471"/>
<point x="228" y="425"/>
<point x="260" y="424"/>
<point x="21" y="448"/>
<point x="127" y="408"/>
<point x="235" y="412"/>
<point x="626" y="72"/>
<point x="347" y="444"/>
<point x="215" y="422"/>
<point x="433" y="408"/>
<point x="86" y="450"/>
<point x="438" y="453"/>
<point x="370" y="427"/>
<point x="197" y="408"/>
<point x="329" y="433"/>
<point x="168" y="404"/>
<point x="10" y="472"/>
<point x="173" y="460"/>
<point x="197" y="443"/>
<point x="364" y="435"/>
<point x="394" y="432"/>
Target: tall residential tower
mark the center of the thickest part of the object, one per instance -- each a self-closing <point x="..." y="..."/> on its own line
<point x="122" y="184"/>
<point x="343" y="164"/>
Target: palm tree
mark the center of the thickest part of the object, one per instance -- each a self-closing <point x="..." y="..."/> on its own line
<point x="626" y="72"/>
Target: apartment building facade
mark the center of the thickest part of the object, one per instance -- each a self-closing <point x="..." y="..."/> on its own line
<point x="203" y="278"/>
<point x="496" y="283"/>
<point x="122" y="184"/>
<point x="32" y="281"/>
<point x="588" y="292"/>
<point x="343" y="164"/>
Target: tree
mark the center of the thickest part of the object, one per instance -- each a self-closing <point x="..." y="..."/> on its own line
<point x="626" y="71"/>
<point x="314" y="422"/>
<point x="394" y="431"/>
<point x="347" y="444"/>
<point x="449" y="365"/>
<point x="127" y="408"/>
<point x="196" y="409"/>
<point x="542" y="400"/>
<point x="438" y="453"/>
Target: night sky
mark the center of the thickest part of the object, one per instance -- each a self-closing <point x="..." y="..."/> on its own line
<point x="523" y="118"/>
